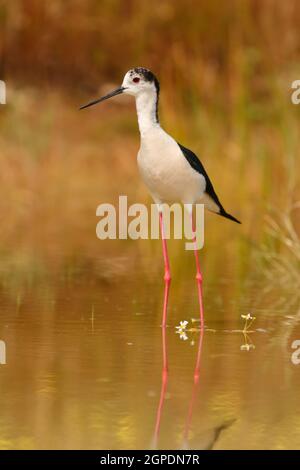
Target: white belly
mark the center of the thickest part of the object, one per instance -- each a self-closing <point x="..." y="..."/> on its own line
<point x="166" y="172"/>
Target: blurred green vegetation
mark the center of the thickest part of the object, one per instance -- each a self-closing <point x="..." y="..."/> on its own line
<point x="231" y="51"/>
<point x="225" y="69"/>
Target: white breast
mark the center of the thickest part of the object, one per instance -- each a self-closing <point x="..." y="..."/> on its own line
<point x="166" y="172"/>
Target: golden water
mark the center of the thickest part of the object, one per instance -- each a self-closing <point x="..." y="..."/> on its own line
<point x="84" y="352"/>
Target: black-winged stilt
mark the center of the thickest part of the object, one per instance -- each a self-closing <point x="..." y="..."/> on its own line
<point x="171" y="172"/>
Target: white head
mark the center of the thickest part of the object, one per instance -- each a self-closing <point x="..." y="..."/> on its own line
<point x="137" y="82"/>
<point x="140" y="80"/>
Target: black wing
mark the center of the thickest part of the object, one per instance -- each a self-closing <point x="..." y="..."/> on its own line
<point x="209" y="190"/>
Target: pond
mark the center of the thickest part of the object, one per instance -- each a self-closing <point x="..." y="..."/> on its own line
<point x="85" y="353"/>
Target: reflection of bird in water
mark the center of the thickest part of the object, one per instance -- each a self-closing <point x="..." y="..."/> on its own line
<point x="207" y="439"/>
<point x="171" y="172"/>
<point x="164" y="383"/>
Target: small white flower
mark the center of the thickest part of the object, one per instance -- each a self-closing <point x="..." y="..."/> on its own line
<point x="182" y="325"/>
<point x="247" y="317"/>
<point x="182" y="335"/>
<point x="247" y="347"/>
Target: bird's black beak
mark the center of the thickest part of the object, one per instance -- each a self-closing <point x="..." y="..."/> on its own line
<point x="116" y="92"/>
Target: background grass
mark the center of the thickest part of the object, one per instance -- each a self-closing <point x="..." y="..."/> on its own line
<point x="225" y="69"/>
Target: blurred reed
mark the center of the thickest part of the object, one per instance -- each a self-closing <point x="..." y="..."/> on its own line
<point x="225" y="68"/>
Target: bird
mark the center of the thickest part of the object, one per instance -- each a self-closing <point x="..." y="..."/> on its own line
<point x="171" y="172"/>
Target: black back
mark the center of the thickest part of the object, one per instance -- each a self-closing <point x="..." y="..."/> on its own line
<point x="209" y="190"/>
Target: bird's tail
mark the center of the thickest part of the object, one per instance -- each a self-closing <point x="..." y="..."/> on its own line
<point x="223" y="213"/>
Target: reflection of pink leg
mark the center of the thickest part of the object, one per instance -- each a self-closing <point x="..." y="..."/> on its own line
<point x="198" y="277"/>
<point x="164" y="383"/>
<point x="165" y="249"/>
<point x="164" y="348"/>
<point x="196" y="382"/>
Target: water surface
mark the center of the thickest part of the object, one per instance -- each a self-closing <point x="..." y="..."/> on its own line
<point x="84" y="354"/>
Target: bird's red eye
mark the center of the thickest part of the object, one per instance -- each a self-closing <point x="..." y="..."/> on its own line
<point x="136" y="79"/>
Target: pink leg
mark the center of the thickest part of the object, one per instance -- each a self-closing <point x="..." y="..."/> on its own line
<point x="167" y="276"/>
<point x="198" y="359"/>
<point x="165" y="308"/>
<point x="198" y="277"/>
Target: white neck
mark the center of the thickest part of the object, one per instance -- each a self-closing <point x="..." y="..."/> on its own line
<point x="146" y="111"/>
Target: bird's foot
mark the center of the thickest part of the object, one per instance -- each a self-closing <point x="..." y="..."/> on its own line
<point x="167" y="276"/>
<point x="199" y="277"/>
